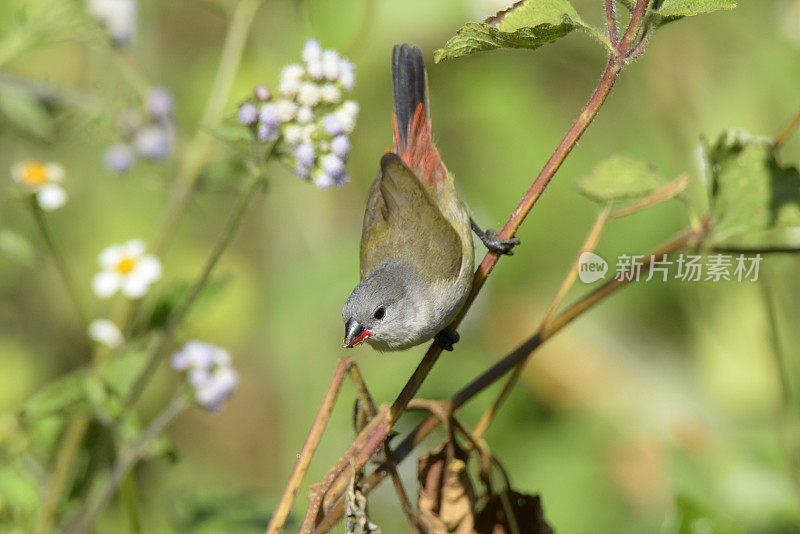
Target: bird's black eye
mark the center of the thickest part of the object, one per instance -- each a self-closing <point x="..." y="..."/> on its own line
<point x="379" y="313"/>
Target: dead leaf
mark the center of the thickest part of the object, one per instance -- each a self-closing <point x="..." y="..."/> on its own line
<point x="527" y="510"/>
<point x="446" y="495"/>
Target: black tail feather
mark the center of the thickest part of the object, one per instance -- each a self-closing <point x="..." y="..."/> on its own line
<point x="410" y="86"/>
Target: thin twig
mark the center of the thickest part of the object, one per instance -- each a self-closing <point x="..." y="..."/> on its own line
<point x="671" y="190"/>
<point x="309" y="447"/>
<point x="611" y="23"/>
<point x="368" y="404"/>
<point x="786" y="132"/>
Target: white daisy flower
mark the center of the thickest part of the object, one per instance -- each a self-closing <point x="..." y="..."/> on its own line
<point x="106" y="332"/>
<point x="126" y="268"/>
<point x="42" y="179"/>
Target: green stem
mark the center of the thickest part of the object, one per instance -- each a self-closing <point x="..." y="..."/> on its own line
<point x="224" y="240"/>
<point x="65" y="458"/>
<point x="129" y="495"/>
<point x="200" y="148"/>
<point x="127" y="459"/>
<point x="60" y="260"/>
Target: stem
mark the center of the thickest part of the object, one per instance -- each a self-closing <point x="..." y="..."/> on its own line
<point x="200" y="148"/>
<point x="688" y="238"/>
<point x="611" y="23"/>
<point x="126" y="461"/>
<point x="224" y="240"/>
<point x="60" y="261"/>
<point x="787" y="426"/>
<point x="787" y="130"/>
<point x="68" y="450"/>
<point x="309" y="447"/>
<point x="129" y="495"/>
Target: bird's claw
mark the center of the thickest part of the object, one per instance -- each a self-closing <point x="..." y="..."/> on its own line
<point x="446" y="339"/>
<point x="500" y="245"/>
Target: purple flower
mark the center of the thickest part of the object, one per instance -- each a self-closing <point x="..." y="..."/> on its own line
<point x="263" y="93"/>
<point x="248" y="113"/>
<point x="209" y="372"/>
<point x="332" y="125"/>
<point x="267" y="132"/>
<point x="159" y="103"/>
<point x="304" y="154"/>
<point x="152" y="142"/>
<point x="269" y="115"/>
<point x="341" y="178"/>
<point x="323" y="180"/>
<point x="119" y="157"/>
<point x="340" y="145"/>
<point x="332" y="165"/>
<point x="301" y="170"/>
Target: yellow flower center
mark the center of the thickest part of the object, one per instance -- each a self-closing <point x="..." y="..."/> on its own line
<point x="125" y="265"/>
<point x="35" y="174"/>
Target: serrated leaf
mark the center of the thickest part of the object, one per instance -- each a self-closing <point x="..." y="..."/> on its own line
<point x="754" y="200"/>
<point x="688" y="8"/>
<point x="526" y="24"/>
<point x="26" y="112"/>
<point x="620" y="177"/>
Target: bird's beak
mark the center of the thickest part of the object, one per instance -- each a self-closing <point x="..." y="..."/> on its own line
<point x="354" y="333"/>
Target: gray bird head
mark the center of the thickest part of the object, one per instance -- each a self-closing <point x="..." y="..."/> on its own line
<point x="386" y="308"/>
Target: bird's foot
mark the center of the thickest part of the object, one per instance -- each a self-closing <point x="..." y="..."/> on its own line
<point x="494" y="243"/>
<point x="446" y="339"/>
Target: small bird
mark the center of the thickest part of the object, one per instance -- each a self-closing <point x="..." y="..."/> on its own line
<point x="417" y="256"/>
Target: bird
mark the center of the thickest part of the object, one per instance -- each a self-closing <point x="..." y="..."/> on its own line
<point x="417" y="255"/>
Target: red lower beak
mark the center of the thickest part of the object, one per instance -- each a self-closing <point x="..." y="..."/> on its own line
<point x="361" y="337"/>
<point x="354" y="333"/>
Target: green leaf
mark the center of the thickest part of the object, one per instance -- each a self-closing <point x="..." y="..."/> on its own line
<point x="526" y="24"/>
<point x="688" y="8"/>
<point x="169" y="302"/>
<point x="232" y="133"/>
<point x="120" y="374"/>
<point x="754" y="200"/>
<point x="620" y="177"/>
<point x="26" y="112"/>
<point x="59" y="395"/>
<point x="19" y="492"/>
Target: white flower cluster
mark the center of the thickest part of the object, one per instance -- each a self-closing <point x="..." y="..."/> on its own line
<point x="118" y="17"/>
<point x="149" y="139"/>
<point x="42" y="180"/>
<point x="209" y="371"/>
<point x="104" y="331"/>
<point x="126" y="268"/>
<point x="310" y="115"/>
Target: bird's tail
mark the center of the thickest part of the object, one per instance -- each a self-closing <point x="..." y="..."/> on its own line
<point x="413" y="140"/>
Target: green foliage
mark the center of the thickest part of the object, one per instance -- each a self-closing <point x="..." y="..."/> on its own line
<point x="620" y="177"/>
<point x="688" y="8"/>
<point x="26" y="112"/>
<point x="19" y="494"/>
<point x="526" y="24"/>
<point x="211" y="513"/>
<point x="16" y="247"/>
<point x="754" y="200"/>
<point x="66" y="393"/>
<point x="172" y="299"/>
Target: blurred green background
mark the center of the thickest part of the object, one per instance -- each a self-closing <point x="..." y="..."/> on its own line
<point x="664" y="402"/>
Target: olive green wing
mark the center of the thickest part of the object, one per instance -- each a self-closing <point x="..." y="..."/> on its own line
<point x="401" y="221"/>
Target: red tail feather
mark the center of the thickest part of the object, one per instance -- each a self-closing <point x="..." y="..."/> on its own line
<point x="420" y="155"/>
